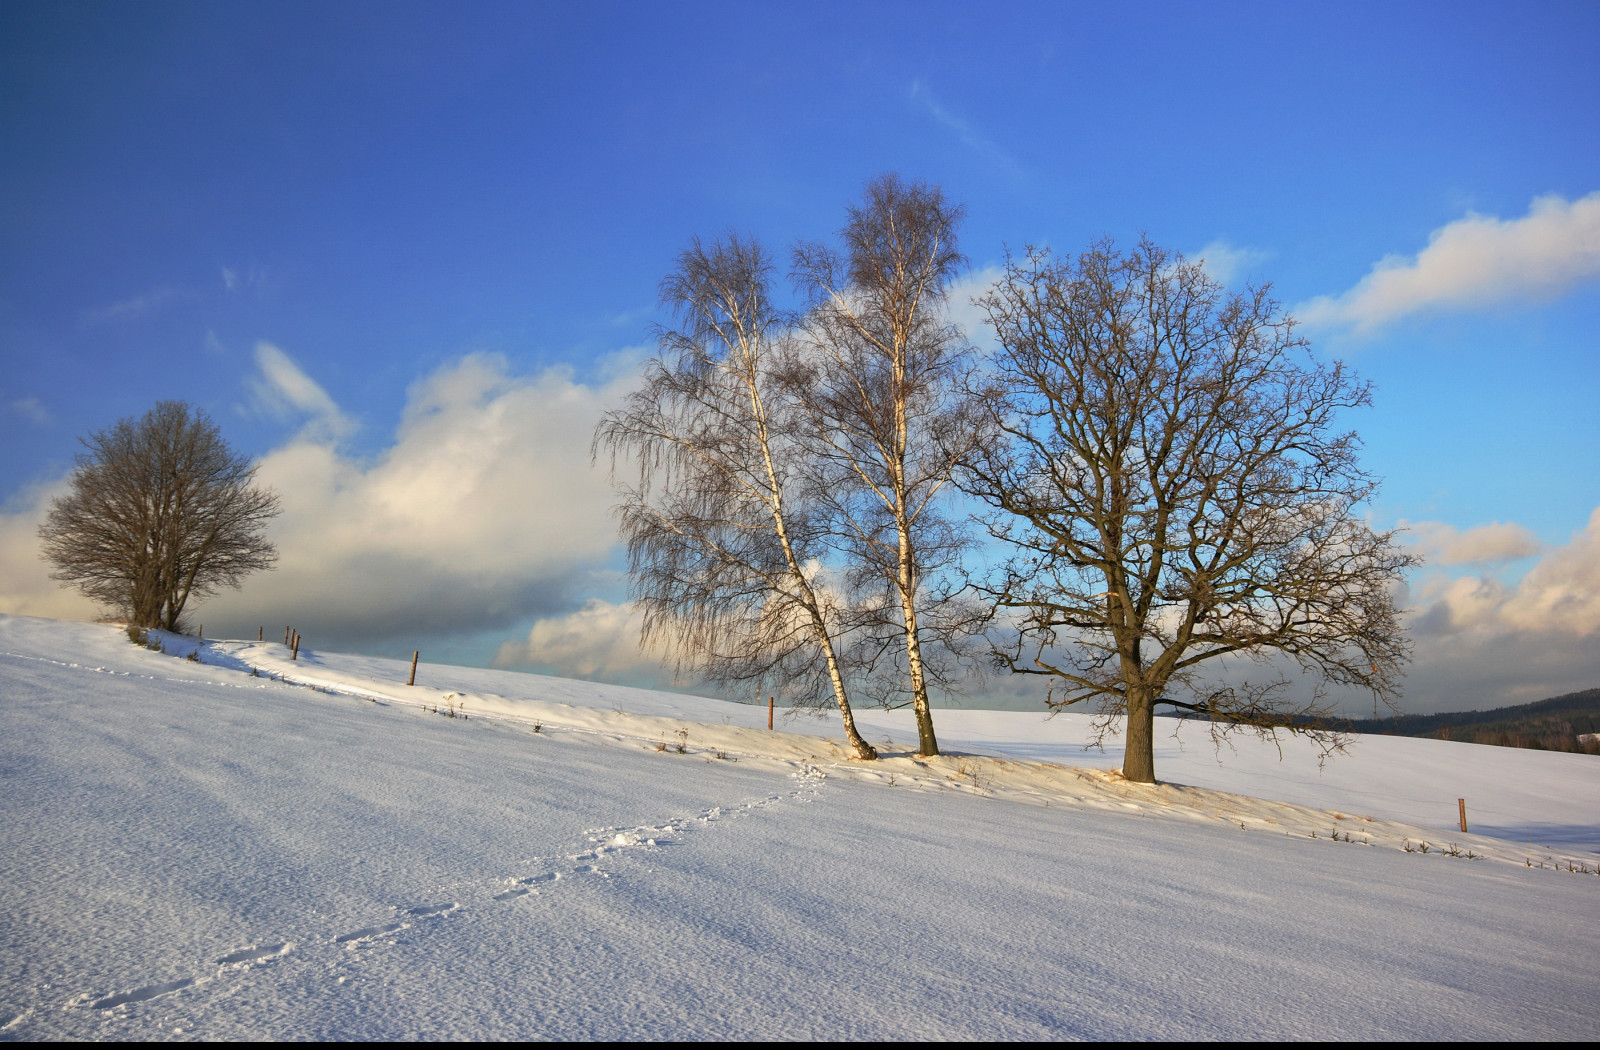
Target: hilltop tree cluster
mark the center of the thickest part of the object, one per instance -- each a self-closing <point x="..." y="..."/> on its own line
<point x="1141" y="496"/>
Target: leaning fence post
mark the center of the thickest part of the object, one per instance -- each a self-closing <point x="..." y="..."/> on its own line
<point x="1463" y="804"/>
<point x="413" y="679"/>
<point x="295" y="654"/>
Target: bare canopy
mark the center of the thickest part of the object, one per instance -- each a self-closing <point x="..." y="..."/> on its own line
<point x="725" y="549"/>
<point x="881" y="381"/>
<point x="161" y="512"/>
<point x="1174" y="490"/>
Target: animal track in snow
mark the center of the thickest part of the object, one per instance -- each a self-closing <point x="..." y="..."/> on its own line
<point x="139" y="995"/>
<point x="370" y="931"/>
<point x="255" y="953"/>
<point x="424" y="911"/>
<point x="603" y="843"/>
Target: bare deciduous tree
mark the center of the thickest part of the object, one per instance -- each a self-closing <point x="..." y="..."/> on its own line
<point x="161" y="512"/>
<point x="881" y="380"/>
<point x="1175" y="490"/>
<point x="725" y="551"/>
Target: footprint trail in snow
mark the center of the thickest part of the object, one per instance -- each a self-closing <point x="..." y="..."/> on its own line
<point x="602" y="848"/>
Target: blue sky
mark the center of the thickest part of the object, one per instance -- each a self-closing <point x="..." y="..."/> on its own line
<point x="436" y="217"/>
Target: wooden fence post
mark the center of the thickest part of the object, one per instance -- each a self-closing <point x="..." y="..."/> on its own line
<point x="769" y="712"/>
<point x="259" y="632"/>
<point x="295" y="654"/>
<point x="286" y="636"/>
<point x="202" y="633"/>
<point x="1463" y="804"/>
<point x="413" y="679"/>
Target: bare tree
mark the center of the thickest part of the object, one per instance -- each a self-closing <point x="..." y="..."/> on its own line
<point x="161" y="512"/>
<point x="725" y="553"/>
<point x="1175" y="490"/>
<point x="881" y="380"/>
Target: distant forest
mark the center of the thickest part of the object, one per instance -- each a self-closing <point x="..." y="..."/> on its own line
<point x="1549" y="725"/>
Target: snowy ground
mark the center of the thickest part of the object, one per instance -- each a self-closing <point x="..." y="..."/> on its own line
<point x="194" y="852"/>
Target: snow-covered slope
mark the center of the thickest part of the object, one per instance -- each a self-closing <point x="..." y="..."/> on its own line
<point x="193" y="851"/>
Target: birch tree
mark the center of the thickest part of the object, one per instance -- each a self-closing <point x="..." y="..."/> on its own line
<point x="880" y="380"/>
<point x="726" y="554"/>
<point x="1176" y="491"/>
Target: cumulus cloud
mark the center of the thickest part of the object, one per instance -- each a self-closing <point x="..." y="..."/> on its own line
<point x="1482" y="642"/>
<point x="26" y="588"/>
<point x="1489" y="544"/>
<point x="599" y="642"/>
<point x="1476" y="260"/>
<point x="485" y="510"/>
<point x="483" y="513"/>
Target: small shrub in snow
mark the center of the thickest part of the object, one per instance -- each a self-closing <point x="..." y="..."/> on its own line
<point x="138" y="635"/>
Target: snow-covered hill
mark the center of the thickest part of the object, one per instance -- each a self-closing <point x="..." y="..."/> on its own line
<point x="197" y="849"/>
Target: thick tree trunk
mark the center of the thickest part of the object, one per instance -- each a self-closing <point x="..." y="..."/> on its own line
<point x="1139" y="757"/>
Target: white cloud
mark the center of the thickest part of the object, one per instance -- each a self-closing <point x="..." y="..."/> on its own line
<point x="964" y="312"/>
<point x="599" y="642"/>
<point x="1489" y="544"/>
<point x="281" y="390"/>
<point x="1560" y="595"/>
<point x="1225" y="262"/>
<point x="483" y="512"/>
<point x="31" y="409"/>
<point x="963" y="130"/>
<point x="136" y="306"/>
<point x="1476" y="260"/>
<point x="1486" y="643"/>
<point x="26" y="588"/>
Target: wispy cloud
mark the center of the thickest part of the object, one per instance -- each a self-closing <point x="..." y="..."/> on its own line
<point x="1226" y="262"/>
<point x="1477" y="260"/>
<point x="253" y="278"/>
<point x="29" y="408"/>
<point x="135" y="307"/>
<point x="281" y="390"/>
<point x="963" y="130"/>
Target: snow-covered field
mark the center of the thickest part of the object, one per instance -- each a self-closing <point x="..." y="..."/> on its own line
<point x="194" y="851"/>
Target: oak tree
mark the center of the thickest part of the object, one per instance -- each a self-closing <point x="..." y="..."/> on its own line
<point x="1175" y="490"/>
